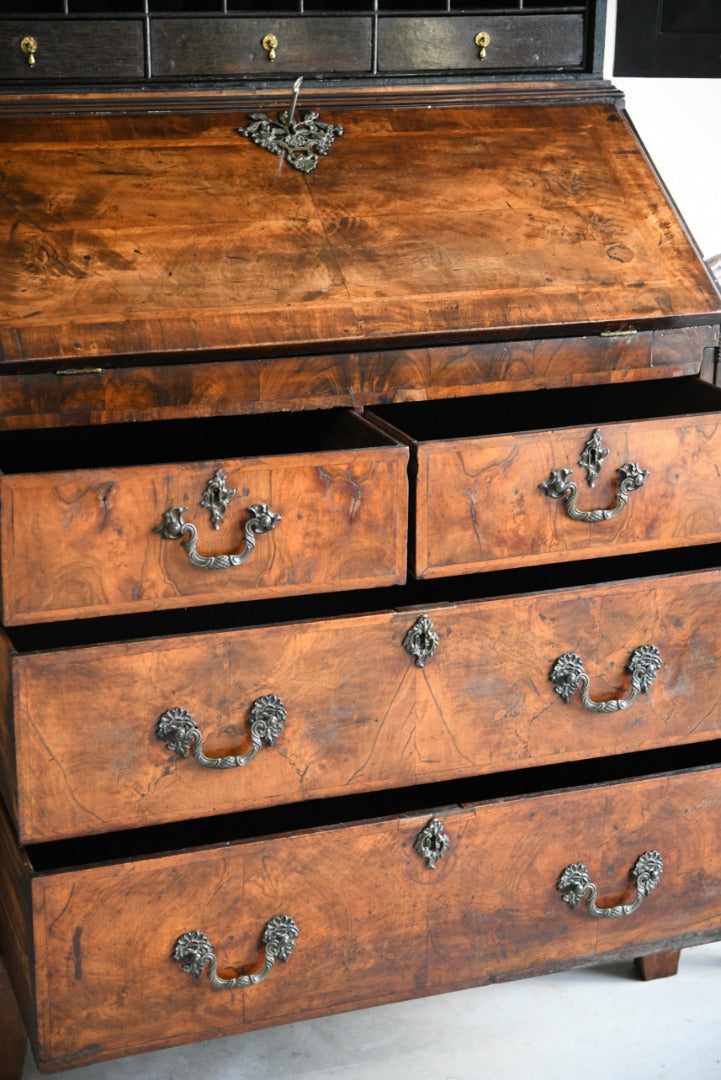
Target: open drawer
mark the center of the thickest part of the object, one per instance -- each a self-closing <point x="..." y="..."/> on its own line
<point x="605" y="471"/>
<point x="346" y="701"/>
<point x="197" y="512"/>
<point x="131" y="953"/>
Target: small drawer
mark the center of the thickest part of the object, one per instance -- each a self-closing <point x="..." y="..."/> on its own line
<point x="499" y="484"/>
<point x="95" y="49"/>
<point x="218" y="512"/>
<point x="236" y="46"/>
<point x="166" y="713"/>
<point x="353" y="914"/>
<point x="448" y="43"/>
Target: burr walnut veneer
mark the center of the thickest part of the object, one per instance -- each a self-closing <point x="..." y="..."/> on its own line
<point x="360" y="531"/>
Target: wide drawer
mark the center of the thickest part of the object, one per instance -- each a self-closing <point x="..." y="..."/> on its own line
<point x="332" y="706"/>
<point x="309" y="504"/>
<point x="245" y="46"/>
<point x="375" y="920"/>
<point x="94" y="49"/>
<point x="448" y="43"/>
<point x="606" y="471"/>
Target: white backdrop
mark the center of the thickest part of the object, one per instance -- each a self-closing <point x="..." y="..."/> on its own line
<point x="679" y="120"/>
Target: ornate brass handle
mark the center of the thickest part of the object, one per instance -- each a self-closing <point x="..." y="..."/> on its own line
<point x="177" y="729"/>
<point x="482" y="40"/>
<point x="29" y="46"/>
<point x="194" y="953"/>
<point x="575" y="882"/>
<point x="173" y="527"/>
<point x="568" y="675"/>
<point x="270" y="44"/>
<point x="559" y="487"/>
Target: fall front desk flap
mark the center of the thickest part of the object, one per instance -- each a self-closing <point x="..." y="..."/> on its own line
<point x="168" y="233"/>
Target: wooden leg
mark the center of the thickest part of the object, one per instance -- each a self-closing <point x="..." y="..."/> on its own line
<point x="658" y="965"/>
<point x="13" y="1039"/>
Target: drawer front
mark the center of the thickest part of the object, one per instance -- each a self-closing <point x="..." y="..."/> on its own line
<point x="235" y="46"/>
<point x="87" y="542"/>
<point x="86" y="49"/>
<point x="481" y="506"/>
<point x="448" y="43"/>
<point x="375" y="922"/>
<point x="483" y="702"/>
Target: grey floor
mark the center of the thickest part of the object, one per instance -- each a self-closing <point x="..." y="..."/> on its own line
<point x="600" y="1023"/>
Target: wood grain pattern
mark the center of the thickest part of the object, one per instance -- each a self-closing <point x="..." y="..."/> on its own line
<point x="658" y="965"/>
<point x="375" y="923"/>
<point x="361" y="715"/>
<point x="353" y="379"/>
<point x="148" y="252"/>
<point x="14" y="1040"/>
<point x="479" y="505"/>
<point x="16" y="924"/>
<point x="83" y="542"/>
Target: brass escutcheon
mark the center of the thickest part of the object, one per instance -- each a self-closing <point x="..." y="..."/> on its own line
<point x="270" y="44"/>
<point x="29" y="46"/>
<point x="482" y="40"/>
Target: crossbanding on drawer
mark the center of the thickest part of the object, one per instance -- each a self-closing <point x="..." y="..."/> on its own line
<point x="622" y="469"/>
<point x="131" y="954"/>
<point x="212" y="722"/>
<point x="263" y="506"/>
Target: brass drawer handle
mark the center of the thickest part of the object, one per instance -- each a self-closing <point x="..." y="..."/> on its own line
<point x="575" y="882"/>
<point x="270" y="44"/>
<point x="173" y="527"/>
<point x="559" y="487"/>
<point x="194" y="953"/>
<point x="177" y="729"/>
<point x="568" y="675"/>
<point x="482" y="40"/>
<point x="29" y="46"/>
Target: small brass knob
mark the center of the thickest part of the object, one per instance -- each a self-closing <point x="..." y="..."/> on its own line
<point x="29" y="46"/>
<point x="270" y="44"/>
<point x="482" y="40"/>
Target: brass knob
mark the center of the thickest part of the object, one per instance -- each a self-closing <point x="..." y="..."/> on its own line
<point x="482" y="40"/>
<point x="29" y="46"/>
<point x="270" y="44"/>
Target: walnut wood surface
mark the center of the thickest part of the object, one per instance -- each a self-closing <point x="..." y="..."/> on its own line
<point x="165" y="234"/>
<point x="479" y="505"/>
<point x="13" y="1037"/>
<point x="83" y="542"/>
<point x="361" y="715"/>
<point x="375" y="923"/>
<point x="73" y="396"/>
<point x="658" y="965"/>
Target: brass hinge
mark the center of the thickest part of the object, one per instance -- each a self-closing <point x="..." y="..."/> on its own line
<point x="618" y="333"/>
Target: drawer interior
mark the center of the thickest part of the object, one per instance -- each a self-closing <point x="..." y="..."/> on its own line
<point x="117" y="445"/>
<point x="507" y="413"/>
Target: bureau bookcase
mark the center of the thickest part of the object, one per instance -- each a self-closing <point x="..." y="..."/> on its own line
<point x="360" y="518"/>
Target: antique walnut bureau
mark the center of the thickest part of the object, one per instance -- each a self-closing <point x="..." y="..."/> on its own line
<point x="360" y="517"/>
